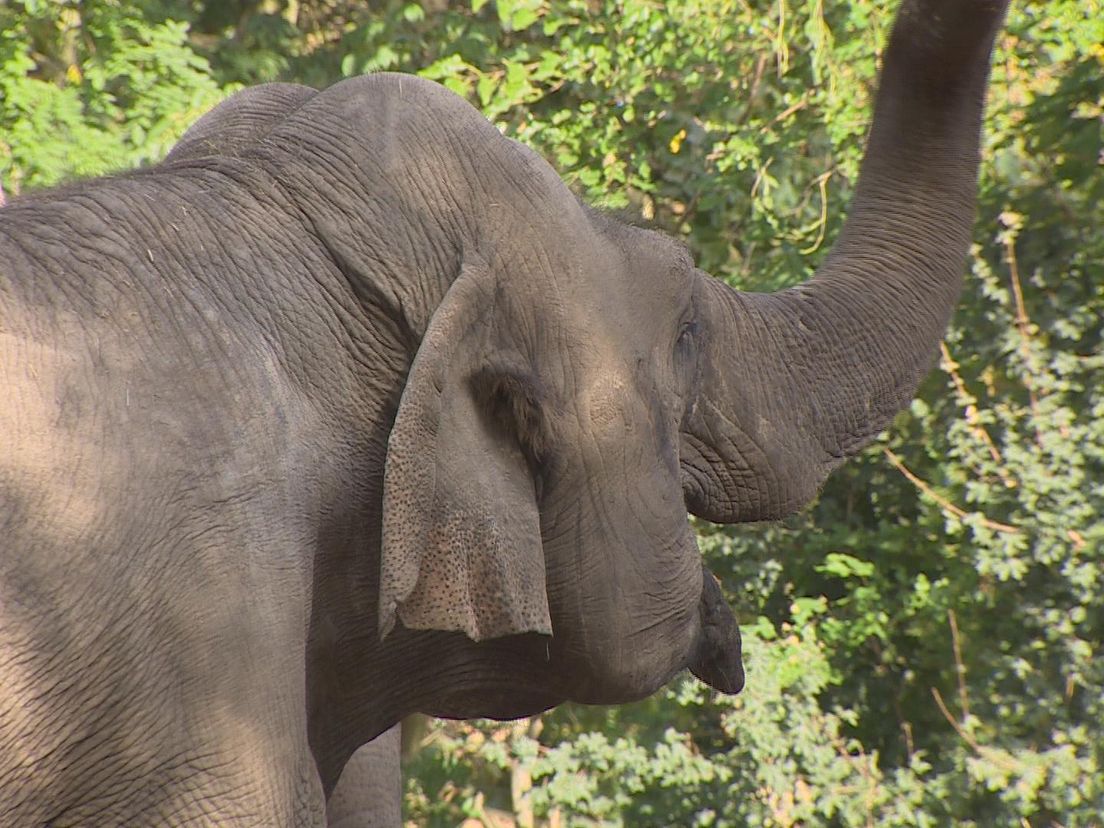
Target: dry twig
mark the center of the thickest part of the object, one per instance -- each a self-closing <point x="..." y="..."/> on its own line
<point x="943" y="503"/>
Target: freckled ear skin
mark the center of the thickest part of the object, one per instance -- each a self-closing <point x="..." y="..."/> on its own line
<point x="461" y="532"/>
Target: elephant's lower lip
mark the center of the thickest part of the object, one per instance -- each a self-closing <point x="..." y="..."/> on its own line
<point x="718" y="655"/>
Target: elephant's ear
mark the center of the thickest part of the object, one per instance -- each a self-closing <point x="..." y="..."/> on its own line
<point x="461" y="533"/>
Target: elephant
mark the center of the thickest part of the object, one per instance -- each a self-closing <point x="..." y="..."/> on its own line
<point x="350" y="408"/>
<point x="369" y="791"/>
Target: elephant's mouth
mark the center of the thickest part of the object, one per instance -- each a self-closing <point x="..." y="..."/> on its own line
<point x="717" y="656"/>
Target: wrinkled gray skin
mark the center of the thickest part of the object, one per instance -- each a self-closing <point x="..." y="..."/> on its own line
<point x="369" y="792"/>
<point x="350" y="409"/>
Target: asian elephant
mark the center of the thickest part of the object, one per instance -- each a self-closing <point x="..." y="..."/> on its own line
<point x="369" y="792"/>
<point x="350" y="408"/>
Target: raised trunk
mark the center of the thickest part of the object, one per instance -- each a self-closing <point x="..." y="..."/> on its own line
<point x="795" y="382"/>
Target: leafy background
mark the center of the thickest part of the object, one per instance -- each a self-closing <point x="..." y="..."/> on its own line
<point x="923" y="643"/>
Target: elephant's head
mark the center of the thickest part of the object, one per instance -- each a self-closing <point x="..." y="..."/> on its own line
<point x="534" y="477"/>
<point x="577" y="384"/>
<point x="581" y="385"/>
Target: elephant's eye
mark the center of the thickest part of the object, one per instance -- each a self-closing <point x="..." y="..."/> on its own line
<point x="687" y="336"/>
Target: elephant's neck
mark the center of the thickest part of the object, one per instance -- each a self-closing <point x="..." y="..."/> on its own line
<point x="441" y="674"/>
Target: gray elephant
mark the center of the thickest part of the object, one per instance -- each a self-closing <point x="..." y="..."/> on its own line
<point x="369" y="791"/>
<point x="349" y="409"/>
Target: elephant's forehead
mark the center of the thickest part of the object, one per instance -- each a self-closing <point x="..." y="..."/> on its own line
<point x="420" y="111"/>
<point x="641" y="283"/>
<point x="426" y="145"/>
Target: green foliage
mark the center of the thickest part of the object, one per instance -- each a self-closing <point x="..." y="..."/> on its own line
<point x="923" y="643"/>
<point x="91" y="87"/>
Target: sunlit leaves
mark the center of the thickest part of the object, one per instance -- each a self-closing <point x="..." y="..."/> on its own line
<point x="97" y="87"/>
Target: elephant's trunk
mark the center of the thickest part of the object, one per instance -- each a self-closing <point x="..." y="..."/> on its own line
<point x="718" y="654"/>
<point x="799" y="380"/>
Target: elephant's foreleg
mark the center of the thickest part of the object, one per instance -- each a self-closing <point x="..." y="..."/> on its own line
<point x="369" y="792"/>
